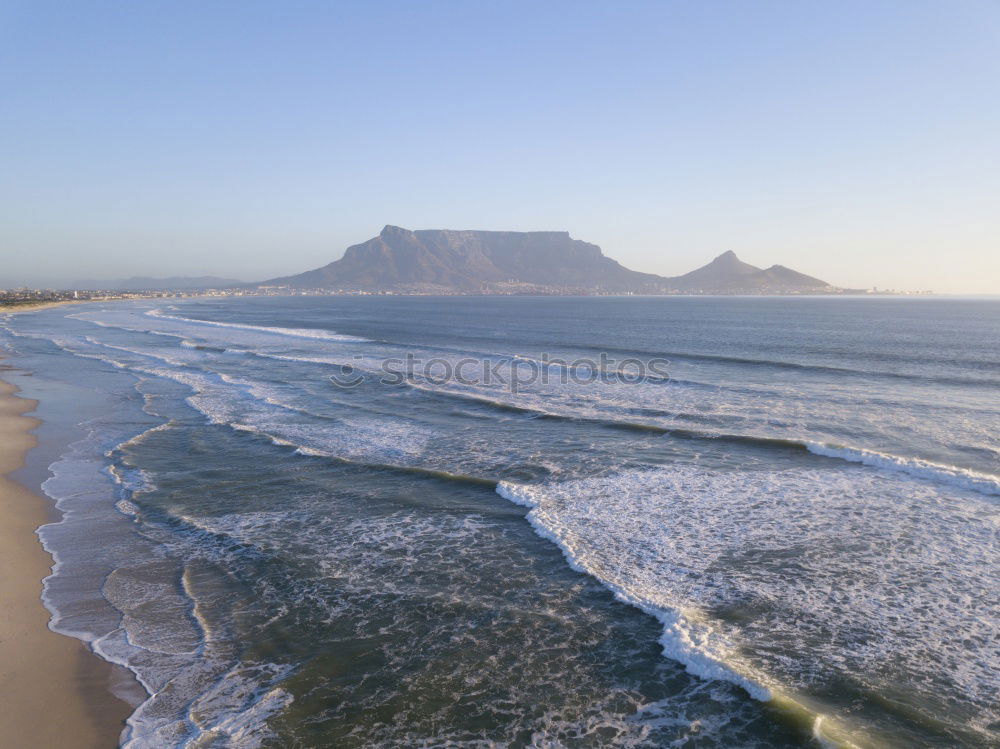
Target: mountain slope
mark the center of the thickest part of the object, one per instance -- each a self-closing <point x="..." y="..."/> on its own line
<point x="725" y="269"/>
<point x="778" y="276"/>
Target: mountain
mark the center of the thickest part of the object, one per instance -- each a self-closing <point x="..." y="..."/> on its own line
<point x="469" y="260"/>
<point x="442" y="260"/>
<point x="175" y="283"/>
<point x="780" y="277"/>
<point x="728" y="274"/>
<point x="725" y="269"/>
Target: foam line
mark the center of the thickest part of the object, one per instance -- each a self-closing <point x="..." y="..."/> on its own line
<point x="962" y="478"/>
<point x="314" y="333"/>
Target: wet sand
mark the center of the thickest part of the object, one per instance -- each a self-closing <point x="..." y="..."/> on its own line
<point x="55" y="691"/>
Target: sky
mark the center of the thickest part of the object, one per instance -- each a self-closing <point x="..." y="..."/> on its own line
<point x="858" y="142"/>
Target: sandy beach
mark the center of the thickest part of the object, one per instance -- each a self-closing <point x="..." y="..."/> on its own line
<point x="55" y="692"/>
<point x="6" y="309"/>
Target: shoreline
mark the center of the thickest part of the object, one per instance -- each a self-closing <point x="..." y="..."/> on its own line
<point x="56" y="692"/>
<point x="13" y="309"/>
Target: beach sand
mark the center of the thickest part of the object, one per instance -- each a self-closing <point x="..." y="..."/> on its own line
<point x="55" y="692"/>
<point x="10" y="309"/>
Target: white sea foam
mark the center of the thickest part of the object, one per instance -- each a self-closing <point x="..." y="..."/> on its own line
<point x="132" y="441"/>
<point x="157" y="354"/>
<point x="791" y="580"/>
<point x="231" y="708"/>
<point x="127" y="507"/>
<point x="119" y="594"/>
<point x="245" y="725"/>
<point x="88" y="318"/>
<point x="251" y="406"/>
<point x="928" y="470"/>
<point x="96" y="590"/>
<point x="326" y="335"/>
<point x="963" y="478"/>
<point x="379" y="561"/>
<point x="757" y="419"/>
<point x="132" y="480"/>
<point x="803" y="413"/>
<point x="685" y="639"/>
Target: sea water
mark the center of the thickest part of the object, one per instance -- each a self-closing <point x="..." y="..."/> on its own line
<point x="291" y="530"/>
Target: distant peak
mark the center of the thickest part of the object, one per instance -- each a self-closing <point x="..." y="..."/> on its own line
<point x="390" y="230"/>
<point x="727" y="255"/>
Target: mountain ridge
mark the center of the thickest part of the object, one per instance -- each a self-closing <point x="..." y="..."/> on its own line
<point x="728" y="273"/>
<point x="470" y="261"/>
<point x="145" y="283"/>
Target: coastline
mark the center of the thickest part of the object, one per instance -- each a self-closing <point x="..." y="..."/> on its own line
<point x="56" y="692"/>
<point x="13" y="309"/>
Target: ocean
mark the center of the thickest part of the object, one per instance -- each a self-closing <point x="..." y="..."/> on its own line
<point x="516" y="521"/>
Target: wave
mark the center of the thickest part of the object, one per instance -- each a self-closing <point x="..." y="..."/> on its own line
<point x="587" y="351"/>
<point x="314" y="333"/>
<point x="679" y="640"/>
<point x="244" y="725"/>
<point x="821" y="368"/>
<point x="687" y="638"/>
<point x="409" y="470"/>
<point x="184" y="340"/>
<point x="375" y="439"/>
<point x="101" y="592"/>
<point x="962" y="478"/>
<point x="730" y="562"/>
<point x="622" y="377"/>
<point x="146" y="354"/>
<point x="130" y="480"/>
<point x="203" y="346"/>
<point x="941" y="473"/>
<point x="620" y="374"/>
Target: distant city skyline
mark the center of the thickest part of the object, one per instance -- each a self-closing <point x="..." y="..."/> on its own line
<point x="855" y="142"/>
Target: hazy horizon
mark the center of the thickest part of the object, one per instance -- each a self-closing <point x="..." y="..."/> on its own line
<point x="855" y="143"/>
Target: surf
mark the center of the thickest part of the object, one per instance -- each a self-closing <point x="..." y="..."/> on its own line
<point x="313" y="333"/>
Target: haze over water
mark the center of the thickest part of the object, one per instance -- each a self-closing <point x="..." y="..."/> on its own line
<point x="792" y="538"/>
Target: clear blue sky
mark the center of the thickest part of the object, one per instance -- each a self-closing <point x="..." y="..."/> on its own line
<point x="855" y="141"/>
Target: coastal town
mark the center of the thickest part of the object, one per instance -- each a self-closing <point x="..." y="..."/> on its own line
<point x="24" y="297"/>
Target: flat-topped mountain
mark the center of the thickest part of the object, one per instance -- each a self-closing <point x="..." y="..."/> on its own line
<point x="466" y="260"/>
<point x="442" y="260"/>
